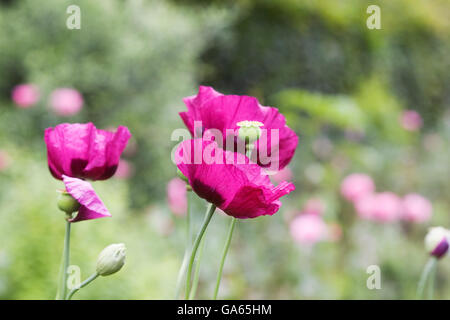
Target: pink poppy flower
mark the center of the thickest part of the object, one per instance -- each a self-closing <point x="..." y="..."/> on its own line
<point x="308" y="229"/>
<point x="92" y="206"/>
<point x="83" y="151"/>
<point x="284" y="174"/>
<point x="416" y="208"/>
<point x="411" y="120"/>
<point x="381" y="207"/>
<point x="66" y="101"/>
<point x="356" y="185"/>
<point x="229" y="180"/>
<point x="222" y="112"/>
<point x="177" y="196"/>
<point x="125" y="170"/>
<point x="314" y="206"/>
<point x="25" y="95"/>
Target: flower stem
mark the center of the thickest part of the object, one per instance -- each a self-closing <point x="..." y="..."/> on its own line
<point x="183" y="267"/>
<point x="427" y="274"/>
<point x="66" y="258"/>
<point x="197" y="270"/>
<point x="83" y="284"/>
<point x="208" y="216"/>
<point x="224" y="255"/>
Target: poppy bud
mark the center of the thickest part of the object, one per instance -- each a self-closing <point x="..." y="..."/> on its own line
<point x="437" y="241"/>
<point x="111" y="259"/>
<point x="67" y="203"/>
<point x="249" y="131"/>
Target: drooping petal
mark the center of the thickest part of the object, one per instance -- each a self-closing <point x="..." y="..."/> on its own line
<point x="229" y="180"/>
<point x="92" y="206"/>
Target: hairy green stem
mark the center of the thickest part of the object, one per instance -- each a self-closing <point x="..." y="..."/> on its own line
<point x="208" y="216"/>
<point x="224" y="255"/>
<point x="66" y="259"/>
<point x="83" y="284"/>
<point x="197" y="270"/>
<point x="428" y="273"/>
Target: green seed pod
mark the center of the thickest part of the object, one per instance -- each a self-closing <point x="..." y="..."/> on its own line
<point x="67" y="203"/>
<point x="249" y="131"/>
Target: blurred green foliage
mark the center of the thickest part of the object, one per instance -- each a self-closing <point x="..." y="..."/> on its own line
<point x="341" y="86"/>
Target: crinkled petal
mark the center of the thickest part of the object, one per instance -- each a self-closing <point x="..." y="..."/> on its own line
<point x="83" y="151"/>
<point x="92" y="206"/>
<point x="223" y="112"/>
<point x="229" y="180"/>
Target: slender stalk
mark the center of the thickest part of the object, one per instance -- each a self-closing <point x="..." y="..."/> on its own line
<point x="66" y="259"/>
<point x="208" y="216"/>
<point x="431" y="281"/>
<point x="427" y="271"/>
<point x="197" y="270"/>
<point x="224" y="255"/>
<point x="83" y="284"/>
<point x="183" y="267"/>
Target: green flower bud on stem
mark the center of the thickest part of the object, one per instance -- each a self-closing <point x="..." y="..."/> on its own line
<point x="111" y="259"/>
<point x="67" y="203"/>
<point x="249" y="131"/>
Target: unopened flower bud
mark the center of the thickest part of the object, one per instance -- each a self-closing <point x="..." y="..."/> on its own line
<point x="437" y="241"/>
<point x="249" y="131"/>
<point x="111" y="259"/>
<point x="67" y="203"/>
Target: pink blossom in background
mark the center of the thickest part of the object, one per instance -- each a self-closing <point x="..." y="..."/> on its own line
<point x="125" y="170"/>
<point x="364" y="206"/>
<point x="66" y="101"/>
<point x="411" y="120"/>
<point x="177" y="196"/>
<point x="416" y="208"/>
<point x="381" y="207"/>
<point x="25" y="95"/>
<point x="356" y="185"/>
<point x="308" y="229"/>
<point x="282" y="175"/>
<point x="92" y="206"/>
<point x="314" y="206"/>
<point x="5" y="160"/>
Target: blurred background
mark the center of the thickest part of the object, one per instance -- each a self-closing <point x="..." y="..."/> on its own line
<point x="372" y="102"/>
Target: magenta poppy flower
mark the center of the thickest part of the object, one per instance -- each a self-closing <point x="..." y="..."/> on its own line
<point x="416" y="208"/>
<point x="91" y="206"/>
<point x="223" y="112"/>
<point x="25" y="95"/>
<point x="356" y="185"/>
<point x="229" y="180"/>
<point x="177" y="196"/>
<point x="66" y="101"/>
<point x="83" y="151"/>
